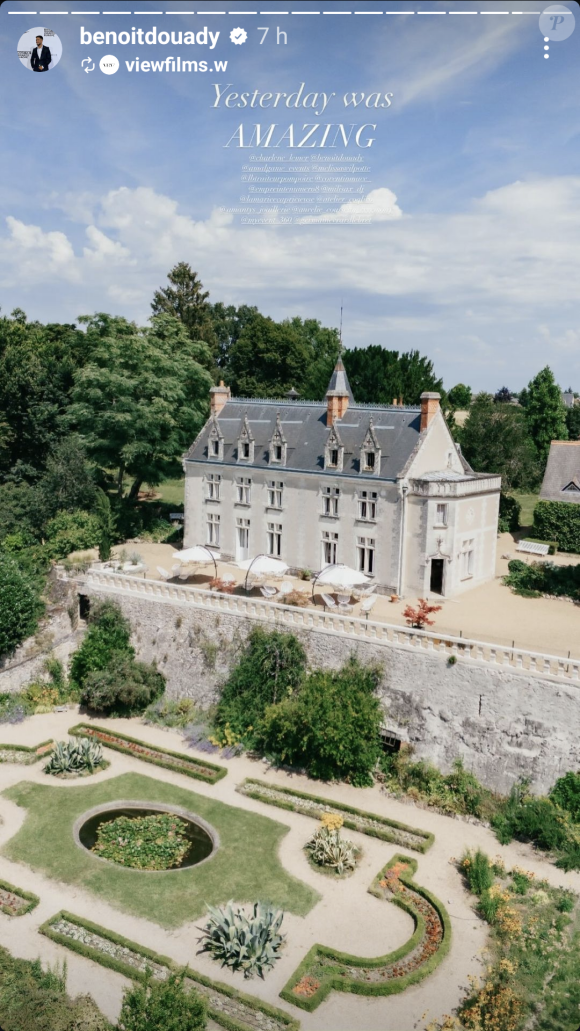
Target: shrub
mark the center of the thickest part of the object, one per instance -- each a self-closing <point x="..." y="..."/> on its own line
<point x="543" y="578"/>
<point x="168" y="713"/>
<point x="156" y="842"/>
<point x="509" y="513"/>
<point x="20" y="607"/>
<point x="478" y="871"/>
<point x="566" y="794"/>
<point x="33" y="999"/>
<point x="251" y="944"/>
<point x="331" y="727"/>
<point x="270" y="669"/>
<point x="419" y="617"/>
<point x="78" y="755"/>
<point x="558" y="521"/>
<point x="530" y="818"/>
<point x="109" y="633"/>
<point x="162" y="1006"/>
<point x="72" y="531"/>
<point x="123" y="688"/>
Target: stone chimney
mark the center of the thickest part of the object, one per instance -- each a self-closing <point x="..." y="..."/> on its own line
<point x="429" y="408"/>
<point x="219" y="396"/>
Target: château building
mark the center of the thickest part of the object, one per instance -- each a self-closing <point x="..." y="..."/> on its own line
<point x="383" y="488"/>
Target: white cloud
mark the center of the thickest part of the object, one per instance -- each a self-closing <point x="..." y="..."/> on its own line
<point x="379" y="206"/>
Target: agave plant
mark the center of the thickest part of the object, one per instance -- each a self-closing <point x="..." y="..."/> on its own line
<point x="75" y="756"/>
<point x="327" y="848"/>
<point x="251" y="944"/>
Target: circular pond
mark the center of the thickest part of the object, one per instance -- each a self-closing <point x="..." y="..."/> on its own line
<point x="199" y="839"/>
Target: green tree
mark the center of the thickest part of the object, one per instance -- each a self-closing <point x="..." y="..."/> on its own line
<point x="20" y="511"/>
<point x="459" y="396"/>
<point x="270" y="668"/>
<point x="107" y="523"/>
<point x="37" y="366"/>
<point x="162" y="1006"/>
<point x="108" y="635"/>
<point x="573" y="422"/>
<point x="378" y="376"/>
<point x="33" y="999"/>
<point x="331" y="727"/>
<point x="186" y="300"/>
<point x="228" y="323"/>
<point x="503" y="396"/>
<point x="545" y="412"/>
<point x="123" y="688"/>
<point x="19" y="605"/>
<point x="495" y="439"/>
<point x="71" y="531"/>
<point x="141" y="399"/>
<point x="68" y="481"/>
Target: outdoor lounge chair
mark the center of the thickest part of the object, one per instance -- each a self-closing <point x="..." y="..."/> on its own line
<point x="164" y="573"/>
<point x="329" y="602"/>
<point x="367" y="604"/>
<point x="268" y="592"/>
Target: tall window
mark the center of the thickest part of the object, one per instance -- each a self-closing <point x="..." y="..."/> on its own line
<point x="277" y="453"/>
<point x="275" y="494"/>
<point x="215" y="448"/>
<point x="243" y="489"/>
<point x="333" y="456"/>
<point x="365" y="547"/>
<point x="245" y="449"/>
<point x="213" y="529"/>
<point x="467" y="559"/>
<point x="213" y="486"/>
<point x="441" y="516"/>
<point x="243" y="539"/>
<point x="369" y="461"/>
<point x="330" y="496"/>
<point x="329" y="547"/>
<point x="274" y="539"/>
<point x="367" y="505"/>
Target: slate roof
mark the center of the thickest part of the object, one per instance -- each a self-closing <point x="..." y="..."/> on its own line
<point x="562" y="476"/>
<point x="339" y="381"/>
<point x="304" y="426"/>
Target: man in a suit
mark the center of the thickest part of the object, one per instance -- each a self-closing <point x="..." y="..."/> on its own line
<point x="40" y="57"/>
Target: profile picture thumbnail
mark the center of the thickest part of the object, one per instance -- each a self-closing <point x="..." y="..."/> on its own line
<point x="39" y="49"/>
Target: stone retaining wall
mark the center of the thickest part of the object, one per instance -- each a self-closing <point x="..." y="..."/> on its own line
<point x="504" y="722"/>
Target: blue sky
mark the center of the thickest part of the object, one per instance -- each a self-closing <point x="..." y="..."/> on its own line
<point x="110" y="180"/>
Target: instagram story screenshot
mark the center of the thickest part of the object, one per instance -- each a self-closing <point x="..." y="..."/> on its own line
<point x="289" y="515"/>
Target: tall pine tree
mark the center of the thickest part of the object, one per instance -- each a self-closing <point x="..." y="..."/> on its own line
<point x="545" y="412"/>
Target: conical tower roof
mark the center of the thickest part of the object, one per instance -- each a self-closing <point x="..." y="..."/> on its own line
<point x="339" y="382"/>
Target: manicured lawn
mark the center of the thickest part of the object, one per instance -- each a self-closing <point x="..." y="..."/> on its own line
<point x="528" y="503"/>
<point x="244" y="868"/>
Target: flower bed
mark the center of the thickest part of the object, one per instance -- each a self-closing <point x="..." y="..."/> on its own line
<point x="15" y="901"/>
<point x="323" y="968"/>
<point x="155" y="842"/>
<point x="23" y="755"/>
<point x="228" y="1007"/>
<point x="354" y="819"/>
<point x="197" y="768"/>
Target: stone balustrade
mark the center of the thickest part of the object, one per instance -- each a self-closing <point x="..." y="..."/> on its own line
<point x="456" y="648"/>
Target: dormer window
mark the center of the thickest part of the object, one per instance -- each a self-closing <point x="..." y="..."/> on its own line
<point x="245" y="442"/>
<point x="334" y="451"/>
<point x="370" y="452"/>
<point x="215" y="443"/>
<point x="278" y="446"/>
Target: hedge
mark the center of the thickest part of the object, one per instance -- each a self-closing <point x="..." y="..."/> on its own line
<point x="558" y="521"/>
<point x="337" y="980"/>
<point x="137" y="975"/>
<point x="28" y="896"/>
<point x="36" y="752"/>
<point x="245" y="788"/>
<point x="200" y="769"/>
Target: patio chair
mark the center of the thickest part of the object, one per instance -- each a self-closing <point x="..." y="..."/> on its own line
<point x="268" y="592"/>
<point x="329" y="602"/>
<point x="287" y="588"/>
<point x="164" y="573"/>
<point x="367" y="604"/>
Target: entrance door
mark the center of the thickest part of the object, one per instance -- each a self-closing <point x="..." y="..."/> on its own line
<point x="436" y="584"/>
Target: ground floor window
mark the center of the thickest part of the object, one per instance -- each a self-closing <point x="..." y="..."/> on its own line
<point x="213" y="529"/>
<point x="467" y="559"/>
<point x="366" y="554"/>
<point x="274" y="539"/>
<point x="329" y="548"/>
<point x="243" y="539"/>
